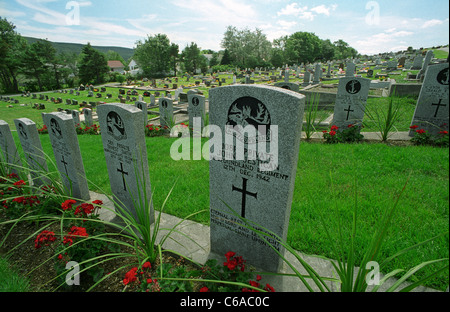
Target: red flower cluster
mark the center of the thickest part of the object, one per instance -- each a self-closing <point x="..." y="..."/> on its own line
<point x="233" y="262"/>
<point x="44" y="238"/>
<point x="30" y="200"/>
<point x="82" y="210"/>
<point x="67" y="205"/>
<point x="17" y="184"/>
<point x="75" y="231"/>
<point x="132" y="276"/>
<point x="256" y="284"/>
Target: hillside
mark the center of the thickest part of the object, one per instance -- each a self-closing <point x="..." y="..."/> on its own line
<point x="126" y="53"/>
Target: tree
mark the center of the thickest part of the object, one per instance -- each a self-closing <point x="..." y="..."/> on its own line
<point x="153" y="55"/>
<point x="36" y="62"/>
<point x="343" y="50"/>
<point x="303" y="47"/>
<point x="12" y="46"/>
<point x="226" y="59"/>
<point x="246" y="48"/>
<point x="174" y="56"/>
<point x="192" y="58"/>
<point x="93" y="65"/>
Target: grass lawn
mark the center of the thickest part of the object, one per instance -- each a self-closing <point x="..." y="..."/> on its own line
<point x="10" y="280"/>
<point x="379" y="169"/>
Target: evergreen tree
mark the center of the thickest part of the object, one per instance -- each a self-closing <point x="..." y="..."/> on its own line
<point x="93" y="65"/>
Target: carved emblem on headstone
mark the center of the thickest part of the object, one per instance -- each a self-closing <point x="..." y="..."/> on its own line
<point x="442" y="77"/>
<point x="353" y="86"/>
<point x="115" y="126"/>
<point x="55" y="128"/>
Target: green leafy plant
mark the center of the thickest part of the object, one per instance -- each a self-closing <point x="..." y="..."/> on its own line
<point x="311" y="115"/>
<point x="385" y="121"/>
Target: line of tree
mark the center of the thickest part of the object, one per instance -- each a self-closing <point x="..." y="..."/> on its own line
<point x="38" y="66"/>
<point x="249" y="49"/>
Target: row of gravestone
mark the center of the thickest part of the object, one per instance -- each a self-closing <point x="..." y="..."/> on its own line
<point x="252" y="173"/>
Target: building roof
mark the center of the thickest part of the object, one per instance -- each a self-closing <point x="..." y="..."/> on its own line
<point x="115" y="64"/>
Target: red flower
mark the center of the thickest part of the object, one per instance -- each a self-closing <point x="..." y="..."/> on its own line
<point x="204" y="289"/>
<point x="443" y="132"/>
<point x="84" y="209"/>
<point x="334" y="127"/>
<point x="75" y="231"/>
<point x="130" y="276"/>
<point x="147" y="265"/>
<point x="97" y="202"/>
<point x="332" y="133"/>
<point x="420" y="131"/>
<point x="414" y="127"/>
<point x="67" y="205"/>
<point x="19" y="183"/>
<point x="269" y="288"/>
<point x="44" y="238"/>
<point x="350" y="126"/>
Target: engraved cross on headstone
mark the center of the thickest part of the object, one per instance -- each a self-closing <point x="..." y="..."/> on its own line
<point x="123" y="177"/>
<point x="244" y="195"/>
<point x="438" y="105"/>
<point x="348" y="110"/>
<point x="65" y="164"/>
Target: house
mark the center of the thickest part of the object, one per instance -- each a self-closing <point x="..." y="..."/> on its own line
<point x="116" y="66"/>
<point x="134" y="68"/>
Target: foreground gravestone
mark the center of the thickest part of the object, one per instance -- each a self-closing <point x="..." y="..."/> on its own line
<point x="31" y="145"/>
<point x="126" y="157"/>
<point x="8" y="149"/>
<point x="351" y="101"/>
<point x="196" y="109"/>
<point x="432" y="112"/>
<point x="254" y="183"/>
<point x="67" y="153"/>
<point x="166" y="112"/>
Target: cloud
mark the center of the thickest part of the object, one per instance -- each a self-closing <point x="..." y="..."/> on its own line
<point x="294" y="9"/>
<point x="322" y="9"/>
<point x="286" y="24"/>
<point x="431" y="23"/>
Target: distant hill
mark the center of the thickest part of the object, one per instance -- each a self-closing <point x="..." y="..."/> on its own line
<point x="126" y="53"/>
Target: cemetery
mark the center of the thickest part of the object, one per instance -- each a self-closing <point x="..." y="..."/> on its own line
<point x="293" y="178"/>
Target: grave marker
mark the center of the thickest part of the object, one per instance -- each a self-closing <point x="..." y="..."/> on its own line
<point x="256" y="188"/>
<point x="64" y="141"/>
<point x="126" y="156"/>
<point x="88" y="119"/>
<point x="196" y="109"/>
<point x="31" y="145"/>
<point x="8" y="149"/>
<point x="143" y="107"/>
<point x="432" y="112"/>
<point x="351" y="100"/>
<point x="166" y="118"/>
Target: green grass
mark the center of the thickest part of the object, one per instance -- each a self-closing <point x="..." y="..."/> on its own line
<point x="10" y="279"/>
<point x="380" y="171"/>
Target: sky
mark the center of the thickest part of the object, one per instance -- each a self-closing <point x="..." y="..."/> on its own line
<point x="371" y="27"/>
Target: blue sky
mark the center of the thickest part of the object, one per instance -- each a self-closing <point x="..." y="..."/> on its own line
<point x="370" y="27"/>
